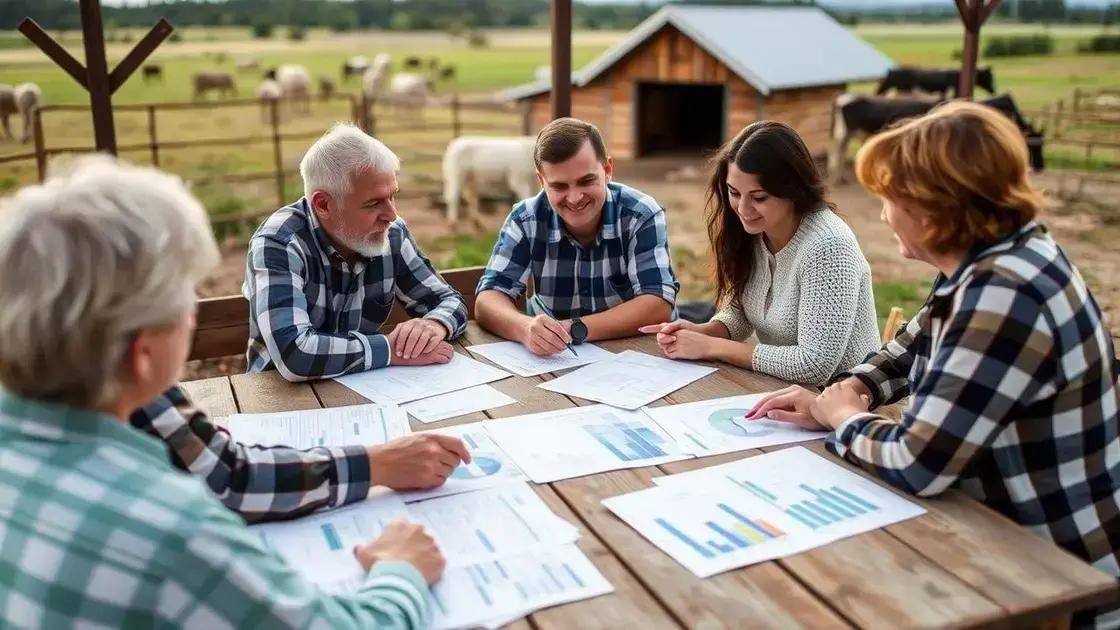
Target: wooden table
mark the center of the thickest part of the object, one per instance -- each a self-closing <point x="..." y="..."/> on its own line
<point x="961" y="564"/>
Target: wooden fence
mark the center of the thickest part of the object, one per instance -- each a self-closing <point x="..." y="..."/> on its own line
<point x="362" y="112"/>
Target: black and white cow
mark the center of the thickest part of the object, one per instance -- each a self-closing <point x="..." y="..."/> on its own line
<point x="934" y="81"/>
<point x="858" y="115"/>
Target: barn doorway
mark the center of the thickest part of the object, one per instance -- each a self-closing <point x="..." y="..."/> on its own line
<point x="679" y="118"/>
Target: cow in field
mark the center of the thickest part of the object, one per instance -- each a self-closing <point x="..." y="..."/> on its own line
<point x="221" y="82"/>
<point x="152" y="72"/>
<point x="939" y="82"/>
<point x="857" y="115"/>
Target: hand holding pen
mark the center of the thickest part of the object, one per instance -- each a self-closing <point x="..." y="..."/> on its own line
<point x="544" y="335"/>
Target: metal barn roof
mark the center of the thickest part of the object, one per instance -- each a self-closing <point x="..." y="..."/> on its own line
<point x="771" y="48"/>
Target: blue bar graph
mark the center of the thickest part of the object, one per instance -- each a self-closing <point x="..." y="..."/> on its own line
<point x="697" y="547"/>
<point x="469" y="440"/>
<point x="334" y="543"/>
<point x="627" y="442"/>
<point x="484" y="540"/>
<point x="572" y="574"/>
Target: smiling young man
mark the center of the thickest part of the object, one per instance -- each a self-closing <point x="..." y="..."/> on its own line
<point x="323" y="273"/>
<point x="597" y="251"/>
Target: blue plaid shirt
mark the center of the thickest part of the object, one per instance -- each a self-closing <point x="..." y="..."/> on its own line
<point x="630" y="256"/>
<point x="313" y="315"/>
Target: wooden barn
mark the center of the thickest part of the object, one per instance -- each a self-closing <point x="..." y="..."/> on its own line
<point x="690" y="77"/>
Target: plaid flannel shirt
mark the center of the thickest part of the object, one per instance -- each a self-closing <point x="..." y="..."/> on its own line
<point x="99" y="531"/>
<point x="313" y="315"/>
<point x="259" y="483"/>
<point x="630" y="256"/>
<point x="1014" y="398"/>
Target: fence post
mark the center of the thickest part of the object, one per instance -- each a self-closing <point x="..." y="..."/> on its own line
<point x="364" y="115"/>
<point x="1058" y="116"/>
<point x="277" y="153"/>
<point x="526" y="117"/>
<point x="1076" y="101"/>
<point x="40" y="145"/>
<point x="456" y="126"/>
<point x="153" y="142"/>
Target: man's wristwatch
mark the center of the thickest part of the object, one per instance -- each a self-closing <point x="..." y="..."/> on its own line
<point x="579" y="331"/>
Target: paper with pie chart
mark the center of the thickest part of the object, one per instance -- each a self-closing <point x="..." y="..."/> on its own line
<point x="489" y="466"/>
<point x="710" y="427"/>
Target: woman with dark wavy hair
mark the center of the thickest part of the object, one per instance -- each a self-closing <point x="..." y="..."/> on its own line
<point x="787" y="268"/>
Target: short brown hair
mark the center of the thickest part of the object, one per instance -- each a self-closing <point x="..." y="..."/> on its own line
<point x="964" y="165"/>
<point x="564" y="137"/>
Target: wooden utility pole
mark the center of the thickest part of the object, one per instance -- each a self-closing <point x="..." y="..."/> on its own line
<point x="561" y="58"/>
<point x="95" y="76"/>
<point x="973" y="15"/>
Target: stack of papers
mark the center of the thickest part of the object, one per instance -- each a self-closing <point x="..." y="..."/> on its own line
<point x="628" y="380"/>
<point x="337" y="426"/>
<point x="759" y="508"/>
<point x="398" y="384"/>
<point x="710" y="427"/>
<point x="455" y="404"/>
<point x="582" y="441"/>
<point x="514" y="357"/>
<point x="507" y="553"/>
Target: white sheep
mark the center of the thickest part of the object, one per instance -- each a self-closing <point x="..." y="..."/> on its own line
<point x="295" y="83"/>
<point x="376" y="76"/>
<point x="474" y="163"/>
<point x="268" y="92"/>
<point x="21" y="99"/>
<point x="410" y="91"/>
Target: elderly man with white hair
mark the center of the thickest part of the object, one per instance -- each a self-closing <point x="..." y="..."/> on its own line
<point x="97" y="276"/>
<point x="323" y="273"/>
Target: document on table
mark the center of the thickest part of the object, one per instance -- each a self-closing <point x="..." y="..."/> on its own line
<point x="628" y="380"/>
<point x="514" y="357"/>
<point x="399" y="384"/>
<point x="499" y="521"/>
<point x="337" y="426"/>
<point x="489" y="465"/>
<point x="321" y="545"/>
<point x="582" y="441"/>
<point x="455" y="404"/>
<point x="510" y="587"/>
<point x="709" y="427"/>
<point x="756" y="509"/>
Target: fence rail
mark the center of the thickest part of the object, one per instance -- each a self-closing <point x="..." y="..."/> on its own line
<point x="362" y="111"/>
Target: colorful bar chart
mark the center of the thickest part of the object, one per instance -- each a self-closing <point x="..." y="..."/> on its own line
<point x="740" y="533"/>
<point x="628" y="442"/>
<point x="827" y="505"/>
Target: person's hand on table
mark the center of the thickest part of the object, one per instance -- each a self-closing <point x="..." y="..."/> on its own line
<point x="792" y="404"/>
<point x="442" y="354"/>
<point x="407" y="542"/>
<point x="416" y="462"/>
<point x="416" y="337"/>
<point x="544" y="336"/>
<point x="838" y="402"/>
<point x="681" y="339"/>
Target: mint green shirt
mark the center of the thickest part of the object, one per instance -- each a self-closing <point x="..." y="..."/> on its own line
<point x="97" y="528"/>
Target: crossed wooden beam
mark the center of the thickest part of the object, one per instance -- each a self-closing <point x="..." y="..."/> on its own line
<point x="973" y="14"/>
<point x="95" y="76"/>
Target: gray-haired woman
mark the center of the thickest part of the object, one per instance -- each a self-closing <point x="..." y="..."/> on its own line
<point x="97" y="276"/>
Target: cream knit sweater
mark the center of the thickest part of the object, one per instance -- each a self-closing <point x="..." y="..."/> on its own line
<point x="810" y="304"/>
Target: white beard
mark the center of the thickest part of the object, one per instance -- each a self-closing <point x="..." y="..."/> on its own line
<point x="365" y="246"/>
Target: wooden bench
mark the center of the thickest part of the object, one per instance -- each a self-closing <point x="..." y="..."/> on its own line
<point x="222" y="327"/>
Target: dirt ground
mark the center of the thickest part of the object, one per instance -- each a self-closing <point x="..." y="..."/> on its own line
<point x="1088" y="228"/>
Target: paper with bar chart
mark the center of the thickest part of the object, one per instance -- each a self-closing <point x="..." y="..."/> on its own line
<point x="336" y="426"/>
<point x="513" y="356"/>
<point x="489" y="466"/>
<point x="710" y="427"/>
<point x="508" y="587"/>
<point x="321" y="545"/>
<point x="757" y="509"/>
<point x="582" y="441"/>
<point x="478" y="526"/>
<point x="399" y="384"/>
<point x="628" y="380"/>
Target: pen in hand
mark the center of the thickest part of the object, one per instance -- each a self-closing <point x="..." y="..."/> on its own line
<point x="539" y="305"/>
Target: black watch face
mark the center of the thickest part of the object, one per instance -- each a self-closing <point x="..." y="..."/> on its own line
<point x="579" y="331"/>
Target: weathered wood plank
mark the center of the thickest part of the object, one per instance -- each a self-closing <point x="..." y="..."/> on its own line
<point x="268" y="391"/>
<point x="214" y="396"/>
<point x="985" y="550"/>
